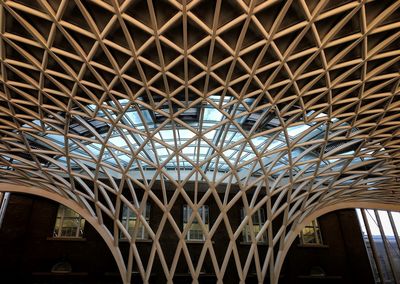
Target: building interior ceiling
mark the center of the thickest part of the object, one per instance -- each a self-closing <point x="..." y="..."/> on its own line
<point x="292" y="106"/>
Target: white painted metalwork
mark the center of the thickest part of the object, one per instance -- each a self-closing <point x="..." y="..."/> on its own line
<point x="381" y="237"/>
<point x="289" y="106"/>
<point x="4" y="198"/>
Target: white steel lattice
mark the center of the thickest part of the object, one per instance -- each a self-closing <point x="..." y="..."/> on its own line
<point x="289" y="106"/>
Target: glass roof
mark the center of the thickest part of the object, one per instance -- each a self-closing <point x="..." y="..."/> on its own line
<point x="146" y="142"/>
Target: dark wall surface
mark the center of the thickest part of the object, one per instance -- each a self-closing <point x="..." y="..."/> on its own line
<point x="343" y="256"/>
<point x="28" y="250"/>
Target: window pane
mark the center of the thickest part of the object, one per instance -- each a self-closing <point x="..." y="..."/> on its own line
<point x="68" y="223"/>
<point x="311" y="234"/>
<point x="70" y="213"/>
<point x="195" y="231"/>
<point x="258" y="219"/>
<point x="132" y="223"/>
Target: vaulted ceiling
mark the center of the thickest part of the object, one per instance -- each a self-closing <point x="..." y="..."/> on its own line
<point x="295" y="102"/>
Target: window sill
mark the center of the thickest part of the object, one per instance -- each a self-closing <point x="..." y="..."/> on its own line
<point x="333" y="277"/>
<point x="136" y="241"/>
<point x="250" y="243"/>
<point x="60" y="274"/>
<point x="196" y="242"/>
<point x="312" y="246"/>
<point x="78" y="239"/>
<point x="202" y="274"/>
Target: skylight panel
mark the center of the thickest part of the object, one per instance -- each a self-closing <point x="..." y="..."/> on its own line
<point x="247" y="157"/>
<point x="351" y="152"/>
<point x="203" y="150"/>
<point x="211" y="114"/>
<point x="162" y="151"/>
<point x="229" y="152"/>
<point x="92" y="107"/>
<point x="167" y="134"/>
<point x="134" y="117"/>
<point x="125" y="158"/>
<point x="218" y="98"/>
<point x="211" y="117"/>
<point x="258" y="141"/>
<point x="133" y="140"/>
<point x="274" y="144"/>
<point x="94" y="148"/>
<point x="188" y="150"/>
<point x="118" y="141"/>
<point x="293" y="131"/>
<point x="210" y="134"/>
<point x="58" y="138"/>
<point x="237" y="136"/>
<point x="321" y="115"/>
<point x="185" y="134"/>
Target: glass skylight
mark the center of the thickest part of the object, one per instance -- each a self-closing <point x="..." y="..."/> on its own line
<point x="180" y="147"/>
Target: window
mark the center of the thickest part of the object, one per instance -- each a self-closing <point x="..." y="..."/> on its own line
<point x="69" y="224"/>
<point x="311" y="234"/>
<point x="258" y="220"/>
<point x="130" y="222"/>
<point x="195" y="232"/>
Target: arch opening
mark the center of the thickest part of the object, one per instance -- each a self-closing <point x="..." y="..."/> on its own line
<point x="290" y="238"/>
<point x="101" y="229"/>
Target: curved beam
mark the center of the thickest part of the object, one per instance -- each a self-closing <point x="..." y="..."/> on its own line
<point x="283" y="113"/>
<point x="322" y="211"/>
<point x="103" y="232"/>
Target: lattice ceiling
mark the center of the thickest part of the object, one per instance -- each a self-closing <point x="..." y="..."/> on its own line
<point x="296" y="102"/>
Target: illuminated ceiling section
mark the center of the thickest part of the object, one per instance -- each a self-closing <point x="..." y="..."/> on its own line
<point x="201" y="140"/>
<point x="288" y="105"/>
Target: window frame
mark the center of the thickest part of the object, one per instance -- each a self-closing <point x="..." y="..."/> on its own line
<point x="260" y="215"/>
<point x="129" y="215"/>
<point x="205" y="217"/>
<point x="316" y="232"/>
<point x="62" y="218"/>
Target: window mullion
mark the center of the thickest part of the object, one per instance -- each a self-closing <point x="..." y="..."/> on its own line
<point x="61" y="225"/>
